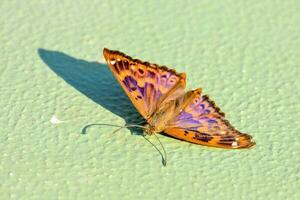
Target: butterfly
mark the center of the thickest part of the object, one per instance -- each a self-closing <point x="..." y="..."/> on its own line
<point x="158" y="93"/>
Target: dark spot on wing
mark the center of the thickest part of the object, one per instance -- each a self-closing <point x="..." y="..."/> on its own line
<point x="151" y="74"/>
<point x="142" y="90"/>
<point x="116" y="69"/>
<point x="177" y="103"/>
<point x="211" y="121"/>
<point x="141" y="71"/>
<point x="204" y="97"/>
<point x="130" y="83"/>
<point x="225" y="143"/>
<point x="186" y="133"/>
<point x="120" y="65"/>
<point x="206" y="111"/>
<point x="204" y="137"/>
<point x="126" y="65"/>
<point x="227" y="140"/>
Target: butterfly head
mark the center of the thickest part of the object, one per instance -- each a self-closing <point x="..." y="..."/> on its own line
<point x="149" y="130"/>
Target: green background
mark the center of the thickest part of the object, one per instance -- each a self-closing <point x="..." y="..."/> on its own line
<point x="244" y="54"/>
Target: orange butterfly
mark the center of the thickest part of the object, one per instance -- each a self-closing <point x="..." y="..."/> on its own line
<point x="158" y="94"/>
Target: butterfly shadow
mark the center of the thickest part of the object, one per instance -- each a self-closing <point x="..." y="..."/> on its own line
<point x="95" y="81"/>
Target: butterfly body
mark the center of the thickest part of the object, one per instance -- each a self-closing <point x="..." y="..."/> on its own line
<point x="159" y="120"/>
<point x="158" y="94"/>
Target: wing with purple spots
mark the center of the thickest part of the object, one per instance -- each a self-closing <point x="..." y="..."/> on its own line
<point x="201" y="121"/>
<point x="147" y="85"/>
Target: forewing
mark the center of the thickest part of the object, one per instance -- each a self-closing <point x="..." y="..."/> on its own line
<point x="147" y="85"/>
<point x="202" y="122"/>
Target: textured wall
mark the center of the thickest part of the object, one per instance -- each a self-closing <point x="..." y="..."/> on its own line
<point x="244" y="54"/>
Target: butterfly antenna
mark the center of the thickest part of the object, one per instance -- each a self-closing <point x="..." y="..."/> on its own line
<point x="129" y="126"/>
<point x="84" y="130"/>
<point x="162" y="146"/>
<point x="163" y="156"/>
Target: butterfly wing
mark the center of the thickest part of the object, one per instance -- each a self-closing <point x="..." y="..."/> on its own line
<point x="201" y="121"/>
<point x="147" y="85"/>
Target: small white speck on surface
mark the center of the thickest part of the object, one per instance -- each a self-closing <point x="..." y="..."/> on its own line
<point x="118" y="59"/>
<point x="55" y="120"/>
<point x="112" y="62"/>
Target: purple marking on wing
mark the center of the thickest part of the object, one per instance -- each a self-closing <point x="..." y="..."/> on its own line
<point x="142" y="90"/>
<point x="199" y="109"/>
<point x="206" y="111"/>
<point x="146" y="85"/>
<point x="211" y="121"/>
<point x="126" y="83"/>
<point x="184" y="115"/>
<point x="186" y="119"/>
<point x="151" y="74"/>
<point x="130" y="83"/>
<point x="132" y="80"/>
<point x="158" y="94"/>
<point x="189" y="121"/>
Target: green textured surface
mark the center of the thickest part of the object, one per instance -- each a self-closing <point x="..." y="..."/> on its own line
<point x="244" y="54"/>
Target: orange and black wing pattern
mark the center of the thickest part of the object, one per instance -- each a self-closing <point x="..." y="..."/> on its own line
<point x="147" y="85"/>
<point x="202" y="122"/>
